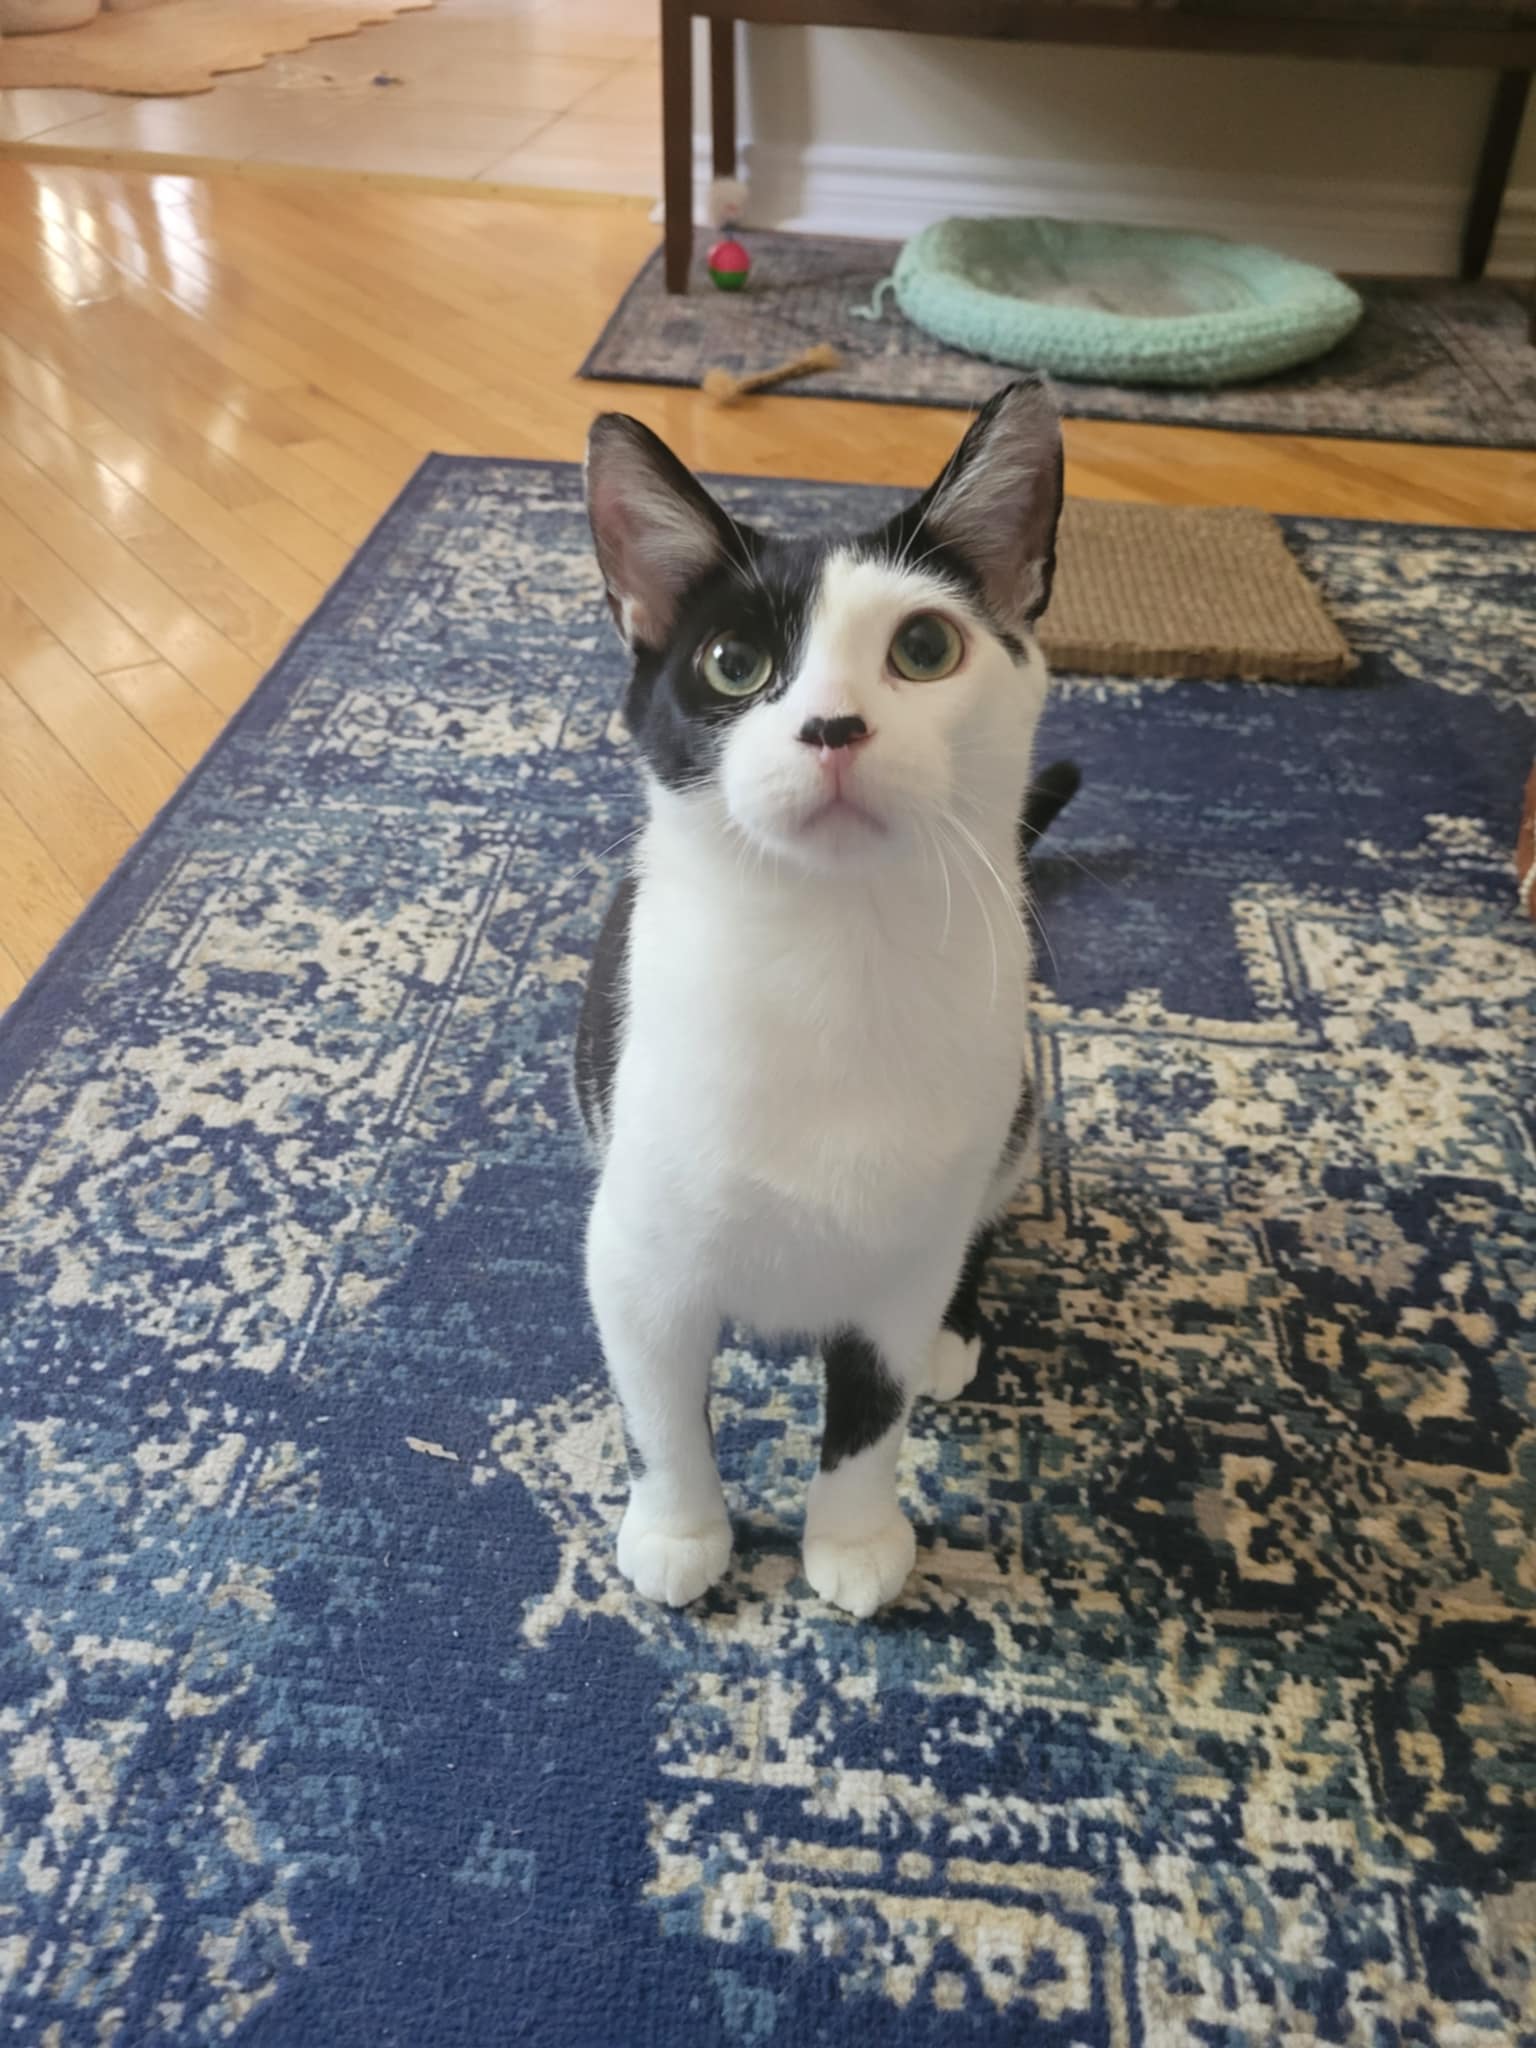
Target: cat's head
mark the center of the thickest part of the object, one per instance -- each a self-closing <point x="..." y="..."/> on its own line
<point x="827" y="701"/>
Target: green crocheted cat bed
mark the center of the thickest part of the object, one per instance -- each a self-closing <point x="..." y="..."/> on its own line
<point x="1119" y="305"/>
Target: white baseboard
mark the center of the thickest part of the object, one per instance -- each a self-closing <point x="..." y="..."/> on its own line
<point x="1382" y="227"/>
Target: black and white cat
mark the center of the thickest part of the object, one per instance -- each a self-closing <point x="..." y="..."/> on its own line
<point x="801" y="1057"/>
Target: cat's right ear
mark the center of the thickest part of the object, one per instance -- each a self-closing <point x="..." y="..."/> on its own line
<point x="656" y="529"/>
<point x="997" y="501"/>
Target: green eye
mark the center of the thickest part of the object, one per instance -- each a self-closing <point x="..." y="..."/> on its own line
<point x="735" y="667"/>
<point x="927" y="648"/>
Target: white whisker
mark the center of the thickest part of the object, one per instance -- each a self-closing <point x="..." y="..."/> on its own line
<point x="929" y="832"/>
<point x="1020" y="904"/>
<point x="1032" y="912"/>
<point x="594" y="860"/>
<point x="986" y="915"/>
<point x="1009" y="896"/>
<point x="746" y="561"/>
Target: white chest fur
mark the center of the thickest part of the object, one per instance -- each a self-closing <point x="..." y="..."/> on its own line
<point x="816" y="1076"/>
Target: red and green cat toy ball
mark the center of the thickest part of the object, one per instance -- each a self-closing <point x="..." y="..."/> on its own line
<point x="728" y="265"/>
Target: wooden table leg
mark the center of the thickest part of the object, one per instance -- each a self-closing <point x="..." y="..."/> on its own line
<point x="722" y="94"/>
<point x="1499" y="141"/>
<point x="677" y="140"/>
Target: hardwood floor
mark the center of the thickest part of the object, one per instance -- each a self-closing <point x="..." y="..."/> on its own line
<point x="472" y="92"/>
<point x="210" y="389"/>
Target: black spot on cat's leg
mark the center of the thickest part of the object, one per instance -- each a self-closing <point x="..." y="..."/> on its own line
<point x="632" y="1454"/>
<point x="864" y="1401"/>
<point x="859" y="1546"/>
<point x="635" y="1457"/>
<point x="963" y="1315"/>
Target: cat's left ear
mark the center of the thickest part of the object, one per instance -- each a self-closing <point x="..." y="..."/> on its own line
<point x="997" y="500"/>
<point x="657" y="529"/>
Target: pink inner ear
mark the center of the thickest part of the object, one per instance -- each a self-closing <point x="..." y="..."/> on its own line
<point x="615" y="528"/>
<point x="655" y="529"/>
<point x="610" y="519"/>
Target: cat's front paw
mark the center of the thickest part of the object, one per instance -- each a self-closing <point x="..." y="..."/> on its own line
<point x="952" y="1364"/>
<point x="665" y="1561"/>
<point x="861" y="1573"/>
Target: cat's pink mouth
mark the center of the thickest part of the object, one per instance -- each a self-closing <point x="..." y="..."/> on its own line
<point x="838" y="808"/>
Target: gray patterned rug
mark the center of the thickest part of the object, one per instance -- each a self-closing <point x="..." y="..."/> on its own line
<point x="1431" y="361"/>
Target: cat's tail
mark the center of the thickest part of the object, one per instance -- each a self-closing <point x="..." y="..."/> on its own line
<point x="1050" y="793"/>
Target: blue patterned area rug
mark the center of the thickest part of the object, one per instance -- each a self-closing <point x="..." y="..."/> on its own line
<point x="1210" y="1715"/>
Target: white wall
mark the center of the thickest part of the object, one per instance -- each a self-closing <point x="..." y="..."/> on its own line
<point x="1353" y="165"/>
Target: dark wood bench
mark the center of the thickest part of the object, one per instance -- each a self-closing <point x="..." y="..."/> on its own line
<point x="1500" y="38"/>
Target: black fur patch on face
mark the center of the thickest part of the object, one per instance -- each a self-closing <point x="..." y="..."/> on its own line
<point x="906" y="542"/>
<point x="988" y="522"/>
<point x="863" y="1400"/>
<point x="763" y="594"/>
<point x="680" y="571"/>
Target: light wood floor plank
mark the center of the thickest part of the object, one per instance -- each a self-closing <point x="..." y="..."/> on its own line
<point x="127" y="765"/>
<point x="301" y="538"/>
<point x="165" y="415"/>
<point x="102" y="564"/>
<point x="223" y="446"/>
<point x="380" y="472"/>
<point x="69" y="606"/>
<point x="74" y="255"/>
<point x="160" y="699"/>
<point x="39" y="902"/>
<point x="305" y="295"/>
<point x="157" y="525"/>
<point x="84" y="832"/>
<point x="386" y="381"/>
<point x="312" y="278"/>
<point x="12" y="978"/>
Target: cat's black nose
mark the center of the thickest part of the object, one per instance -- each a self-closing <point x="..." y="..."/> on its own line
<point x="834" y="732"/>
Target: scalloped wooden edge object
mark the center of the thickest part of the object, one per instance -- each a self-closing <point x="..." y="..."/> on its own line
<point x="182" y="46"/>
